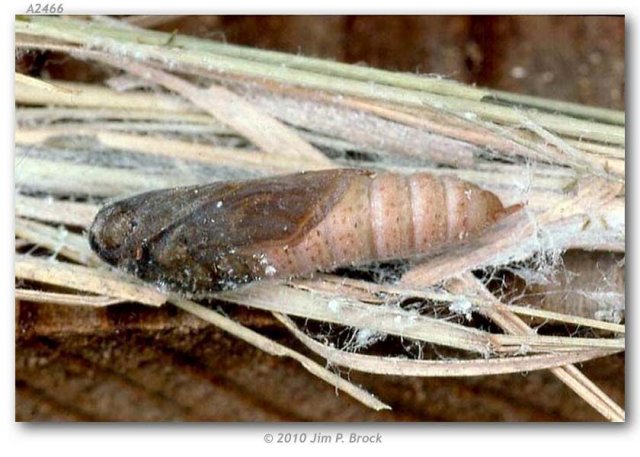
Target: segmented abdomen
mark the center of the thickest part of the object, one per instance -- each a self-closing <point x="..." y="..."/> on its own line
<point x="388" y="216"/>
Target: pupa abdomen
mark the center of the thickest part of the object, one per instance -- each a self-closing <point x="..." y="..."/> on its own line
<point x="216" y="236"/>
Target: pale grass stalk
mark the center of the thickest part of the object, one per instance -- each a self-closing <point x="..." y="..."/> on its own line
<point x="546" y="343"/>
<point x="340" y="310"/>
<point x="580" y="161"/>
<point x="148" y="21"/>
<point x="95" y="125"/>
<point x="369" y="292"/>
<point x="58" y="240"/>
<point x="511" y="323"/>
<point x="393" y="320"/>
<point x="596" y="148"/>
<point x="64" y="178"/>
<point x="590" y="392"/>
<point x="271" y="347"/>
<point x="86" y="279"/>
<point x="332" y="116"/>
<point x="264" y="131"/>
<point x="162" y="146"/>
<point x="28" y="83"/>
<point x="397" y="366"/>
<point x="56" y="298"/>
<point x="420" y="82"/>
<point x="547" y="315"/>
<point x="119" y="288"/>
<point x="92" y="96"/>
<point x="453" y="127"/>
<point x="509" y="142"/>
<point x="124" y="42"/>
<point x="99" y="96"/>
<point x="51" y="210"/>
<point x="28" y="115"/>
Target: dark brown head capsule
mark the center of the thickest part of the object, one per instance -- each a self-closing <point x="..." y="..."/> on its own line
<point x="216" y="236"/>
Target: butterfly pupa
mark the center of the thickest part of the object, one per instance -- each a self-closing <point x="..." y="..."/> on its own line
<point x="217" y="236"/>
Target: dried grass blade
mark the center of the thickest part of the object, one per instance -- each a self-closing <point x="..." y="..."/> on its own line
<point x="567" y="318"/>
<point x="369" y="292"/>
<point x="166" y="147"/>
<point x="342" y="310"/>
<point x="94" y="280"/>
<point x="578" y="160"/>
<point x="264" y="131"/>
<point x="202" y="56"/>
<point x="93" y="96"/>
<point x="346" y="71"/>
<point x="57" y="240"/>
<point x="437" y="368"/>
<point x="185" y="150"/>
<point x="509" y="240"/>
<point x="31" y="83"/>
<point x="49" y="115"/>
<point x="310" y="111"/>
<point x="150" y="21"/>
<point x="454" y="127"/>
<point x="349" y="312"/>
<point x="277" y="349"/>
<point x="570" y="375"/>
<point x="586" y="389"/>
<point x="66" y="178"/>
<point x="544" y="343"/>
<point x="55" y="298"/>
<point x="55" y="211"/>
<point x="593" y="193"/>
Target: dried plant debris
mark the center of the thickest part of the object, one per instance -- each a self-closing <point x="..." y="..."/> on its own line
<point x="521" y="295"/>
